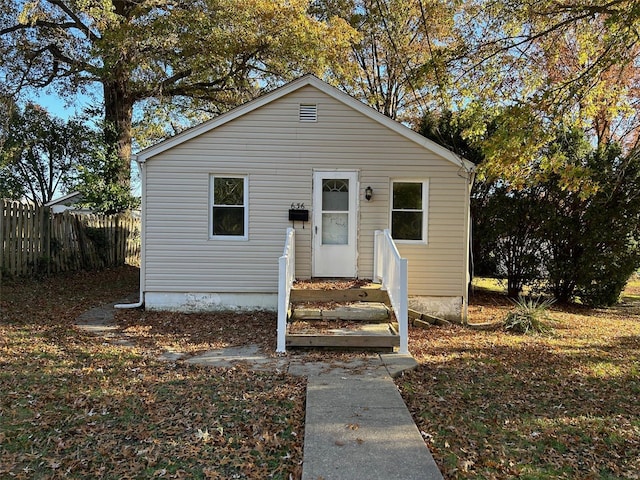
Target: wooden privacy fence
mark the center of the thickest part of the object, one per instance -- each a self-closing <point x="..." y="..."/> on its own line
<point x="35" y="241"/>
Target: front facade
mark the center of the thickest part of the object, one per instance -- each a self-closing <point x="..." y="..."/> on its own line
<point x="217" y="200"/>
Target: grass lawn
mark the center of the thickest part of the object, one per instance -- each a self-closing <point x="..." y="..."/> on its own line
<point x="74" y="406"/>
<point x="493" y="405"/>
<point x="632" y="292"/>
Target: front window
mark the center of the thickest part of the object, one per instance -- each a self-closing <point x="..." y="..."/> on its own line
<point x="229" y="207"/>
<point x="408" y="210"/>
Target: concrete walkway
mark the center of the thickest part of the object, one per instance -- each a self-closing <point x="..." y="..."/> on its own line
<point x="356" y="426"/>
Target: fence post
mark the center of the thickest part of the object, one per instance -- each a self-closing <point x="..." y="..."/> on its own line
<point x="4" y="237"/>
<point x="282" y="305"/>
<point x="117" y="245"/>
<point x="376" y="260"/>
<point x="45" y="237"/>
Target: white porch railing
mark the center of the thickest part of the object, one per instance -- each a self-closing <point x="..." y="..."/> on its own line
<point x="286" y="276"/>
<point x="390" y="269"/>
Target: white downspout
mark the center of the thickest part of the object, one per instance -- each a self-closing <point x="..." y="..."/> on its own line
<point x="138" y="304"/>
<point x="143" y="203"/>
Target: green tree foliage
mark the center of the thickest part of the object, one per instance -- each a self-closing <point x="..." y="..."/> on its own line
<point x="520" y="67"/>
<point x="216" y="51"/>
<point x="91" y="178"/>
<point x="581" y="243"/>
<point x="530" y="66"/>
<point x="579" y="239"/>
<point x="447" y="129"/>
<point x="7" y="107"/>
<point x="592" y="243"/>
<point x="40" y="153"/>
<point x="508" y="221"/>
<point x="504" y="233"/>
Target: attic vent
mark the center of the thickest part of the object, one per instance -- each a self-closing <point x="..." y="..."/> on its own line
<point x="308" y="113"/>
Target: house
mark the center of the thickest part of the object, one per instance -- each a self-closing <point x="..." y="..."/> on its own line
<point x="218" y="198"/>
<point x="68" y="202"/>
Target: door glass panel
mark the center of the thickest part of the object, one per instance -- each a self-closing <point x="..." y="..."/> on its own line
<point x="335" y="195"/>
<point x="335" y="199"/>
<point x="335" y="228"/>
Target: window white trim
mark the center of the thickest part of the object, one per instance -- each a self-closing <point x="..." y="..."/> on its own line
<point x="245" y="205"/>
<point x="425" y="209"/>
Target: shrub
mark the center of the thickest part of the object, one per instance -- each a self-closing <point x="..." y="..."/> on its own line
<point x="593" y="241"/>
<point x="530" y="315"/>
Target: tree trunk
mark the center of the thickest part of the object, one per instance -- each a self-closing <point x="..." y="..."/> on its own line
<point x="118" y="105"/>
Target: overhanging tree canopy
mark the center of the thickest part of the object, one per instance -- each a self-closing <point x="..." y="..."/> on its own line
<point x="531" y="66"/>
<point x="221" y="51"/>
<point x="394" y="63"/>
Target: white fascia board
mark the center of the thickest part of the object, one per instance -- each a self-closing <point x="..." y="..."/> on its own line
<point x="393" y="125"/>
<point x="56" y="201"/>
<point x="290" y="87"/>
<point x="239" y="111"/>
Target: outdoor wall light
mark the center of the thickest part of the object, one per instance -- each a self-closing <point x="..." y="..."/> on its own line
<point x="368" y="193"/>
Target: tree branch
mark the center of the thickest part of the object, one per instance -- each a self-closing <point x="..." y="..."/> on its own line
<point x="37" y="23"/>
<point x="593" y="9"/>
<point x="78" y="22"/>
<point x="58" y="57"/>
<point x="524" y="40"/>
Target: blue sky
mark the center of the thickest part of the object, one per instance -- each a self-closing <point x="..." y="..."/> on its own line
<point x="60" y="107"/>
<point x="70" y="107"/>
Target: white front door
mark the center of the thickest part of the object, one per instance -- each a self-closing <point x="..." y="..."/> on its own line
<point x="335" y="229"/>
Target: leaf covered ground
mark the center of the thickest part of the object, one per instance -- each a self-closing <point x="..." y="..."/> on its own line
<point x="74" y="406"/>
<point x="490" y="404"/>
<point x="495" y="405"/>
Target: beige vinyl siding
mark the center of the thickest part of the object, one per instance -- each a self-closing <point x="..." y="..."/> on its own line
<point x="279" y="154"/>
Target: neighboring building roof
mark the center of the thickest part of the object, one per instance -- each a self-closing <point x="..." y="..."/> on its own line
<point x="68" y="199"/>
<point x="304" y="81"/>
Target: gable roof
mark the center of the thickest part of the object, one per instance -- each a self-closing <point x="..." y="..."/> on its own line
<point x="307" y="80"/>
<point x="68" y="199"/>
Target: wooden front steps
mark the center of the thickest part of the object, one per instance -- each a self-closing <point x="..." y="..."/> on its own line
<point x="365" y="312"/>
<point x="350" y="319"/>
<point x="369" y="293"/>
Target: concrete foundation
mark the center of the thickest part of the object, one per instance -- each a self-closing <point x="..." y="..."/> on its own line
<point x="448" y="308"/>
<point x="210" y="302"/>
